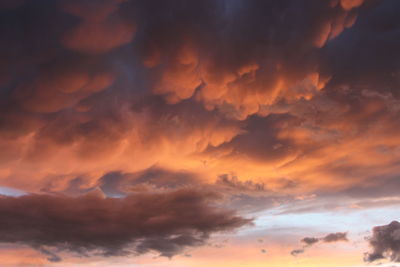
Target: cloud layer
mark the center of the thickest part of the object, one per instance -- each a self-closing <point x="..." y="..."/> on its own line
<point x="165" y="223"/>
<point x="291" y="103"/>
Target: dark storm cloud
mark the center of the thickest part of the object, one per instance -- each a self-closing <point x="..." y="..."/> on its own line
<point x="244" y="196"/>
<point x="75" y="81"/>
<point x="372" y="46"/>
<point x="260" y="138"/>
<point x="170" y="37"/>
<point x="227" y="62"/>
<point x="121" y="82"/>
<point x="162" y="222"/>
<point x="385" y="243"/>
<point x="359" y="101"/>
<point x="101" y="28"/>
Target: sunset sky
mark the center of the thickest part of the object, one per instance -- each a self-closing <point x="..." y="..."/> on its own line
<point x="197" y="133"/>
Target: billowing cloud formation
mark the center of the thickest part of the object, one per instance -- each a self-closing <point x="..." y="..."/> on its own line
<point x="193" y="83"/>
<point x="263" y="73"/>
<point x="100" y="30"/>
<point x="268" y="102"/>
<point x="166" y="223"/>
<point x="385" y="243"/>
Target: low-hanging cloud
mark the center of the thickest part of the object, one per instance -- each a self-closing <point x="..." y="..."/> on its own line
<point x="385" y="243"/>
<point x="329" y="238"/>
<point x="165" y="223"/>
<point x="310" y="241"/>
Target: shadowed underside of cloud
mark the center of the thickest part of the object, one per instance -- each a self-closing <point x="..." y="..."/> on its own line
<point x="302" y="91"/>
<point x="162" y="222"/>
<point x="110" y="81"/>
<point x="385" y="243"/>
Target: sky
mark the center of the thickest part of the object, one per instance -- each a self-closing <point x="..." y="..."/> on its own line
<point x="193" y="133"/>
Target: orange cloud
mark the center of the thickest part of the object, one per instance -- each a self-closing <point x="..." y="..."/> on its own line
<point x="266" y="102"/>
<point x="54" y="91"/>
<point x="350" y="4"/>
<point x="100" y="30"/>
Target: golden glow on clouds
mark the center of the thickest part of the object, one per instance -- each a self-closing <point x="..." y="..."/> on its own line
<point x="273" y="107"/>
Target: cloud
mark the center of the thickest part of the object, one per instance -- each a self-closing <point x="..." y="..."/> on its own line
<point x="193" y="65"/>
<point x="151" y="179"/>
<point x="57" y="89"/>
<point x="165" y="223"/>
<point x="184" y="84"/>
<point x="310" y="241"/>
<point x="335" y="237"/>
<point x="145" y="97"/>
<point x="101" y="28"/>
<point x="385" y="243"/>
<point x="296" y="252"/>
<point x="349" y="4"/>
<point x="329" y="238"/>
<point x="233" y="183"/>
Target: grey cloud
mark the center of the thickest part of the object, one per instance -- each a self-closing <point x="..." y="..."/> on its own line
<point x="309" y="240"/>
<point x="296" y="252"/>
<point x="385" y="243"/>
<point x="163" y="222"/>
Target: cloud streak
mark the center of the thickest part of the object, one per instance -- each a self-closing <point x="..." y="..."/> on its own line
<point x="310" y="241"/>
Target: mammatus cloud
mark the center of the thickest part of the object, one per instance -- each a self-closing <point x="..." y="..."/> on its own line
<point x="385" y="243"/>
<point x="166" y="223"/>
<point x="279" y="101"/>
<point x="101" y="28"/>
<point x="193" y="83"/>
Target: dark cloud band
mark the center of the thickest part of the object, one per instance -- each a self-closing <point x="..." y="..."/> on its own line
<point x="162" y="222"/>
